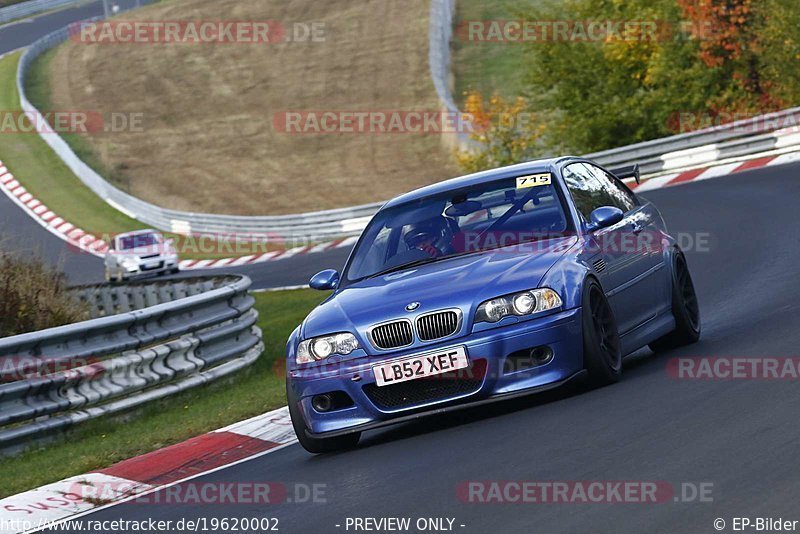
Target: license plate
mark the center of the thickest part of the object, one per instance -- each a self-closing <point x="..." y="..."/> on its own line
<point x="152" y="264"/>
<point x="429" y="364"/>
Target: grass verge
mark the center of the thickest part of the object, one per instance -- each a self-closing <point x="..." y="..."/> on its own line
<point x="48" y="179"/>
<point x="102" y="442"/>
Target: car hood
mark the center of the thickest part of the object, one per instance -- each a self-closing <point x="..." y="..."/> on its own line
<point x="463" y="282"/>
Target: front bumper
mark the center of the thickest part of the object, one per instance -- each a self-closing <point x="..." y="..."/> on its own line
<point x="493" y="378"/>
<point x="148" y="266"/>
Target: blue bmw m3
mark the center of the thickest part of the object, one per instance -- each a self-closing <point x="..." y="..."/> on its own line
<point x="484" y="287"/>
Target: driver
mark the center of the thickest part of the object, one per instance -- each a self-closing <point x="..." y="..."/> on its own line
<point x="433" y="236"/>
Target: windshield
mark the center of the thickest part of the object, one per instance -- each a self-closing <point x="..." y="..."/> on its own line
<point x="139" y="240"/>
<point x="501" y="213"/>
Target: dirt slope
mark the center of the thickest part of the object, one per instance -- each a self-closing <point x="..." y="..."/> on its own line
<point x="208" y="139"/>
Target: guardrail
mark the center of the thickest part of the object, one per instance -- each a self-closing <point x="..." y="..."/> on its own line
<point x="147" y="340"/>
<point x="440" y="33"/>
<point x="738" y="139"/>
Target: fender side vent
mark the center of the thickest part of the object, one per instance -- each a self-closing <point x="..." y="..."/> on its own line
<point x="600" y="265"/>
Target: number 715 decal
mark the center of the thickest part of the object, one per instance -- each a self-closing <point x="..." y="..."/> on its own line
<point x="533" y="180"/>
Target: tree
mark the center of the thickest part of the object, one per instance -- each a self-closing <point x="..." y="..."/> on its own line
<point x="732" y="48"/>
<point x="504" y="133"/>
<point x="708" y="58"/>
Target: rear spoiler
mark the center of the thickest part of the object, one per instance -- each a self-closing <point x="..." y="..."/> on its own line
<point x="631" y="171"/>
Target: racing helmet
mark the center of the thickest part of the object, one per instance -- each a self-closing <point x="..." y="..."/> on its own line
<point x="435" y="231"/>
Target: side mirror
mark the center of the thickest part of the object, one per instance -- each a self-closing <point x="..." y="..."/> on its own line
<point x="604" y="217"/>
<point x="169" y="242"/>
<point x="323" y="280"/>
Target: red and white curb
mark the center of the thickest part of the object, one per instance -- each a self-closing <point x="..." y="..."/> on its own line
<point x="46" y="218"/>
<point x="268" y="256"/>
<point x="89" y="243"/>
<point x="713" y="171"/>
<point x="137" y="477"/>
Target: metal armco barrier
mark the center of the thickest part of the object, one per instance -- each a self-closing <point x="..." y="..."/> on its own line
<point x="738" y="139"/>
<point x="147" y="340"/>
<point x="440" y="33"/>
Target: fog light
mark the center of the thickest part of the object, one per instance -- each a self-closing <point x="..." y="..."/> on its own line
<point x="331" y="401"/>
<point x="322" y="403"/>
<point x="527" y="359"/>
<point x="541" y="355"/>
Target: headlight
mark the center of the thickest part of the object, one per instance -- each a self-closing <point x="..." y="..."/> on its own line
<point x="129" y="261"/>
<point x="524" y="303"/>
<point x="319" y="348"/>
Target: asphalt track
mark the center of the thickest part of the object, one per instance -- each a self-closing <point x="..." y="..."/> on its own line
<point x="740" y="436"/>
<point x="20" y="233"/>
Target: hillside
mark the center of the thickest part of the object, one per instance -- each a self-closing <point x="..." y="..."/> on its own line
<point x="208" y="141"/>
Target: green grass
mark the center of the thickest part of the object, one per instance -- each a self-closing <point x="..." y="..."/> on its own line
<point x="48" y="179"/>
<point x="102" y="442"/>
<point x="488" y="67"/>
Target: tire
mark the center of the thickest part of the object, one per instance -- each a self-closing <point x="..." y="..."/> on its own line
<point x="685" y="309"/>
<point x="316" y="445"/>
<point x="602" y="351"/>
<point x="175" y="270"/>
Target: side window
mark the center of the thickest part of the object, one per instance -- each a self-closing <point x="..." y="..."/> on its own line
<point x="623" y="199"/>
<point x="587" y="190"/>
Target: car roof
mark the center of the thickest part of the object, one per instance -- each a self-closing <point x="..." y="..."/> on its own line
<point x="478" y="178"/>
